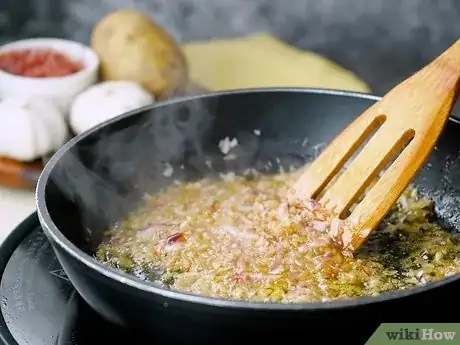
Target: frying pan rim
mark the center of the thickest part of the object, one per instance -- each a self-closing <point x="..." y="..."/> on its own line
<point x="54" y="234"/>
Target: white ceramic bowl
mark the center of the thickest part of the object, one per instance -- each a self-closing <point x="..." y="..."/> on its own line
<point x="60" y="90"/>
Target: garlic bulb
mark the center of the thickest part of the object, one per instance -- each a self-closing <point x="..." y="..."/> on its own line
<point x="30" y="128"/>
<point x="104" y="101"/>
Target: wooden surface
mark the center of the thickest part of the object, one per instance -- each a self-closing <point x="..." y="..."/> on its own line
<point x="407" y="123"/>
<point x="16" y="174"/>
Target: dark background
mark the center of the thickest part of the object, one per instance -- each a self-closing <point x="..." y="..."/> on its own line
<point x="382" y="41"/>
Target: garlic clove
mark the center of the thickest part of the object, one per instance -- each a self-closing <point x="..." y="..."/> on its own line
<point x="104" y="101"/>
<point x="30" y="128"/>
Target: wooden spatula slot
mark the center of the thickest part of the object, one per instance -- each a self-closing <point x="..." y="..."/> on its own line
<point x="359" y="179"/>
<point x="351" y="152"/>
<point x="335" y="158"/>
<point x="406" y="124"/>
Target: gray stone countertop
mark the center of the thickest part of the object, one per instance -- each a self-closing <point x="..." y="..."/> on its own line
<point x="382" y="41"/>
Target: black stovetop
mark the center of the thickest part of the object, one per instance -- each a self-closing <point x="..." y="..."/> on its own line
<point x="38" y="304"/>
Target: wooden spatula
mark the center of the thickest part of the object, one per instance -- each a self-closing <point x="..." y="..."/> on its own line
<point x="407" y="122"/>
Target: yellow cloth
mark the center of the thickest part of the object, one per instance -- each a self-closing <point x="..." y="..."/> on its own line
<point x="263" y="61"/>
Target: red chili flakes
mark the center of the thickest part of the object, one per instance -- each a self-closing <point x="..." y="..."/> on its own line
<point x="177" y="237"/>
<point x="238" y="277"/>
<point x="38" y="63"/>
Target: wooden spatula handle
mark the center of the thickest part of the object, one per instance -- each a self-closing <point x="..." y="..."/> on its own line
<point x="413" y="113"/>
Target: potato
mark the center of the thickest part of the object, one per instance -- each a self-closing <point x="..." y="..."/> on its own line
<point x="133" y="47"/>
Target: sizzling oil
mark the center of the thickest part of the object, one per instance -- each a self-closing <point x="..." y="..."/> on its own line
<point x="236" y="238"/>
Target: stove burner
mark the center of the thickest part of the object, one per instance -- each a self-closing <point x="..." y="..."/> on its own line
<point x="82" y="326"/>
<point x="37" y="302"/>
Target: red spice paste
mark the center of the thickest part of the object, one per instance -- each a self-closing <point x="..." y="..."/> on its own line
<point x="38" y="63"/>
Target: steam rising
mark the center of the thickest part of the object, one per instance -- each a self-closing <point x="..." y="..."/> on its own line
<point x="107" y="174"/>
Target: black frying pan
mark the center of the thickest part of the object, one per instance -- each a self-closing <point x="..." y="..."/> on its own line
<point x="100" y="175"/>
